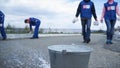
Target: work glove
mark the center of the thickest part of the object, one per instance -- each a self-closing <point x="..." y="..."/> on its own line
<point x="75" y="20"/>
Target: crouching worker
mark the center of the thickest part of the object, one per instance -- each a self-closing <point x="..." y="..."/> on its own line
<point x="33" y="22"/>
<point x="2" y="30"/>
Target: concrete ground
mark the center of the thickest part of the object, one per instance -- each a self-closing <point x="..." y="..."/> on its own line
<point x="33" y="53"/>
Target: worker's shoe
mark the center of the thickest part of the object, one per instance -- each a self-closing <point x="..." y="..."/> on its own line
<point x="109" y="42"/>
<point x="4" y="38"/>
<point x="88" y="41"/>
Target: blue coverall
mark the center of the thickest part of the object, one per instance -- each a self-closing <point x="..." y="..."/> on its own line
<point x="110" y="19"/>
<point x="2" y="30"/>
<point x="34" y="22"/>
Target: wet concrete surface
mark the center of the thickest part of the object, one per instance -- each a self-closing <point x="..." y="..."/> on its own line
<point x="33" y="53"/>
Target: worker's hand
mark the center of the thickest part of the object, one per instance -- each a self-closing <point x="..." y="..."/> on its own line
<point x="101" y="20"/>
<point x="96" y="19"/>
<point x="0" y="25"/>
<point x="75" y="20"/>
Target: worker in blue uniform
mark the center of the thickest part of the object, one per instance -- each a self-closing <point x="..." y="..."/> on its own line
<point x="33" y="22"/>
<point x="86" y="9"/>
<point x="109" y="12"/>
<point x="2" y="30"/>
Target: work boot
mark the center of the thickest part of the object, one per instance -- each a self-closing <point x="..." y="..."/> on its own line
<point x="4" y="38"/>
<point x="34" y="37"/>
<point x="88" y="41"/>
<point x="109" y="42"/>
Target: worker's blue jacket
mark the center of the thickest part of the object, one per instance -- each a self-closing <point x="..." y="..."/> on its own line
<point x="86" y="9"/>
<point x="34" y="22"/>
<point x="2" y="30"/>
<point x="1" y="17"/>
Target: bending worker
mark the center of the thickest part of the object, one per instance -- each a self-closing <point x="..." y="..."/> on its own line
<point x="2" y="30"/>
<point x="33" y="22"/>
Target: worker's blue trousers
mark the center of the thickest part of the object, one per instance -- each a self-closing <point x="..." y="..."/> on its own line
<point x="36" y="30"/>
<point x="3" y="33"/>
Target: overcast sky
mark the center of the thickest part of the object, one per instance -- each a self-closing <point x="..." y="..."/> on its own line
<point x="52" y="13"/>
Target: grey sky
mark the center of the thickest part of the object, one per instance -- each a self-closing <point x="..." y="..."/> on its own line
<point x="52" y="13"/>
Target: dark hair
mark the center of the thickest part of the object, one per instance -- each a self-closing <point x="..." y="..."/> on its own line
<point x="87" y="0"/>
<point x="25" y="20"/>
